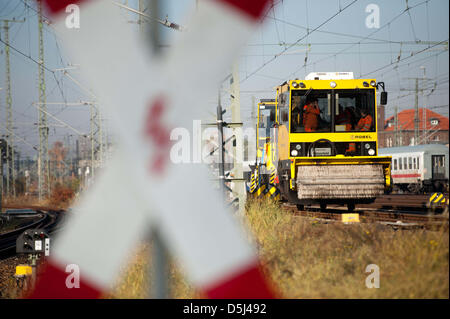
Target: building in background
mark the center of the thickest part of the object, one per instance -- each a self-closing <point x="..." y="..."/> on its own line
<point x="434" y="131"/>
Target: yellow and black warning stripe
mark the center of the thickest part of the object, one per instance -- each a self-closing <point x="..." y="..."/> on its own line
<point x="253" y="182"/>
<point x="262" y="189"/>
<point x="272" y="175"/>
<point x="438" y="198"/>
<point x="273" y="192"/>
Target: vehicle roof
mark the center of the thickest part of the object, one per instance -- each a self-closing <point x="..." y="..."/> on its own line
<point x="416" y="148"/>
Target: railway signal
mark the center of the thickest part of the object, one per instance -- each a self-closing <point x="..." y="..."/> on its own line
<point x="36" y="244"/>
<point x="136" y="192"/>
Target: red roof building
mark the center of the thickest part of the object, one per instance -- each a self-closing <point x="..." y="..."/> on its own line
<point x="436" y="129"/>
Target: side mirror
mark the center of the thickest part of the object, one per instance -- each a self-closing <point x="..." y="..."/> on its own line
<point x="383" y="98"/>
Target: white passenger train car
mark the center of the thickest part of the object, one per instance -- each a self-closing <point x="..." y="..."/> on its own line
<point x="420" y="168"/>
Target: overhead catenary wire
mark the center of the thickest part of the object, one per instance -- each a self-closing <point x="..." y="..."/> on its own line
<point x="366" y="37"/>
<point x="60" y="121"/>
<point x="165" y="22"/>
<point x="406" y="58"/>
<point x="300" y="39"/>
<point x="19" y="137"/>
<point x="410" y="19"/>
<point x="348" y="35"/>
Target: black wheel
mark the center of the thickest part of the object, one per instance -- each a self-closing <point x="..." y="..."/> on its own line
<point x="300" y="207"/>
<point x="351" y="207"/>
<point x="323" y="206"/>
<point x="413" y="188"/>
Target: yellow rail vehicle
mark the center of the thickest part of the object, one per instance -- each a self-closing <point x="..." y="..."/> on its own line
<point x="264" y="181"/>
<point x="324" y="141"/>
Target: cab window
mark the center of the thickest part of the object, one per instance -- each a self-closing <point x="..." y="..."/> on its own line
<point x="355" y="110"/>
<point x="310" y="113"/>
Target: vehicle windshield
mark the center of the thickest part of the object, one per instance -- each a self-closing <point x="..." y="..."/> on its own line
<point x="311" y="113"/>
<point x="350" y="110"/>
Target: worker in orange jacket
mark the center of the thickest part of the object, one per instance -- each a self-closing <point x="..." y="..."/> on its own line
<point x="364" y="125"/>
<point x="365" y="122"/>
<point x="311" y="114"/>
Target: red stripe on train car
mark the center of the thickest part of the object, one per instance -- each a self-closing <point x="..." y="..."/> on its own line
<point x="405" y="175"/>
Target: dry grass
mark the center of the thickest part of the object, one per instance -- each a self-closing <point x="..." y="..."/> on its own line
<point x="134" y="282"/>
<point x="61" y="197"/>
<point x="23" y="201"/>
<point x="308" y="259"/>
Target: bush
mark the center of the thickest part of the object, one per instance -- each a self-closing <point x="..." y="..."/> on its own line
<point x="61" y="196"/>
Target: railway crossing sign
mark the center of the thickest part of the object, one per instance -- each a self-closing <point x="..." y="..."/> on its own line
<point x="138" y="190"/>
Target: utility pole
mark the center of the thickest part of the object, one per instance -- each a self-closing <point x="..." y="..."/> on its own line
<point x="92" y="137"/>
<point x="160" y="261"/>
<point x="253" y="113"/>
<point x="99" y="139"/>
<point x="416" y="114"/>
<point x="43" y="163"/>
<point x="239" y="186"/>
<point x="1" y="167"/>
<point x="140" y="18"/>
<point x="221" y="145"/>
<point x="10" y="161"/>
<point x="424" y="113"/>
<point x="96" y="139"/>
<point x="396" y="141"/>
<point x="416" y="107"/>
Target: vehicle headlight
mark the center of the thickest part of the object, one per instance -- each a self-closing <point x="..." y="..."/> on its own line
<point x="367" y="146"/>
<point x="294" y="152"/>
<point x="298" y="147"/>
<point x="333" y="84"/>
<point x="295" y="85"/>
<point x="371" y="151"/>
<point x="373" y="83"/>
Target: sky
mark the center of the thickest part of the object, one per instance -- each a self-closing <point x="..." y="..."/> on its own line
<point x="405" y="46"/>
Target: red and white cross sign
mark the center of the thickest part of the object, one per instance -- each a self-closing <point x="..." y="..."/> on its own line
<point x="146" y="97"/>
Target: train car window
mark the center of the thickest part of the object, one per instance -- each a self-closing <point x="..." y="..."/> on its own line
<point x="395" y="164"/>
<point x="409" y="162"/>
<point x="355" y="110"/>
<point x="311" y="113"/>
<point x="418" y="162"/>
<point x="415" y="162"/>
<point x="400" y="166"/>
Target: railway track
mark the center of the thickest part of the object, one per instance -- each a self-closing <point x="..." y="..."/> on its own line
<point x="393" y="218"/>
<point x="404" y="202"/>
